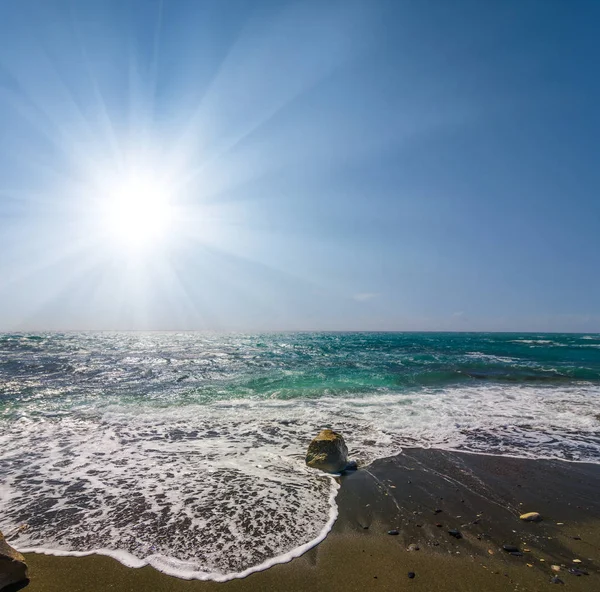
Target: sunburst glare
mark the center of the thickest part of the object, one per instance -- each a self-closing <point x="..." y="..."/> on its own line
<point x="137" y="210"/>
<point x="155" y="189"/>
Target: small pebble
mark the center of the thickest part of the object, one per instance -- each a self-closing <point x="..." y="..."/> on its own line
<point x="439" y="525"/>
<point x="531" y="517"/>
<point x="455" y="533"/>
<point x="437" y="511"/>
<point x="510" y="548"/>
<point x="516" y="553"/>
<point x="411" y="574"/>
<point x="556" y="580"/>
<point x="578" y="572"/>
<point x="576" y="560"/>
<point x="576" y="538"/>
<point x="555" y="567"/>
<point x="393" y="532"/>
<point x="413" y="547"/>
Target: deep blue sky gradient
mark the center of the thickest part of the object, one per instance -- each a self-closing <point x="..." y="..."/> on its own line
<point x="347" y="165"/>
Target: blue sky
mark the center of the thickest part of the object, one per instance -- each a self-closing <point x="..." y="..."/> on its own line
<point x="327" y="165"/>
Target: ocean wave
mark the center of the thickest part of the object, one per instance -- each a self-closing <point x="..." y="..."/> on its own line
<point x="536" y="341"/>
<point x="492" y="358"/>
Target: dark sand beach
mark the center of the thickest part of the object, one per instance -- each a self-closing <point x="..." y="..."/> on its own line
<point x="421" y="494"/>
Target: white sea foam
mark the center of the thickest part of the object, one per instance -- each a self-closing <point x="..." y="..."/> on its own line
<point x="194" y="492"/>
<point x="188" y="570"/>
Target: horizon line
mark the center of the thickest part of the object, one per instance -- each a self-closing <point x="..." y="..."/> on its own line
<point x="284" y="331"/>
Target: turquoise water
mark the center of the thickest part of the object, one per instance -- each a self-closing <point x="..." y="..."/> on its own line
<point x="175" y="368"/>
<point x="184" y="450"/>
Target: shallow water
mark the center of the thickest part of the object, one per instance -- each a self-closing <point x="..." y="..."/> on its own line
<point x="185" y="450"/>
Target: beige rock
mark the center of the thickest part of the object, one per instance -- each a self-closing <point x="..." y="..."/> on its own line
<point x="530" y="517"/>
<point x="327" y="452"/>
<point x="13" y="568"/>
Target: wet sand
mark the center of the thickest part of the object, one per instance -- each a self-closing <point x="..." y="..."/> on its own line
<point x="422" y="494"/>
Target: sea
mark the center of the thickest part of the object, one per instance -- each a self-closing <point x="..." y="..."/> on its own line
<point x="185" y="451"/>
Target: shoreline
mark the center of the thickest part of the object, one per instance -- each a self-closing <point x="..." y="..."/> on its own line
<point x="421" y="494"/>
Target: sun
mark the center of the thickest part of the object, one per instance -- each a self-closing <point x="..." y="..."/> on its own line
<point x="137" y="210"/>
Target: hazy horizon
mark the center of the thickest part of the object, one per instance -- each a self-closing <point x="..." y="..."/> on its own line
<point x="33" y="332"/>
<point x="299" y="166"/>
